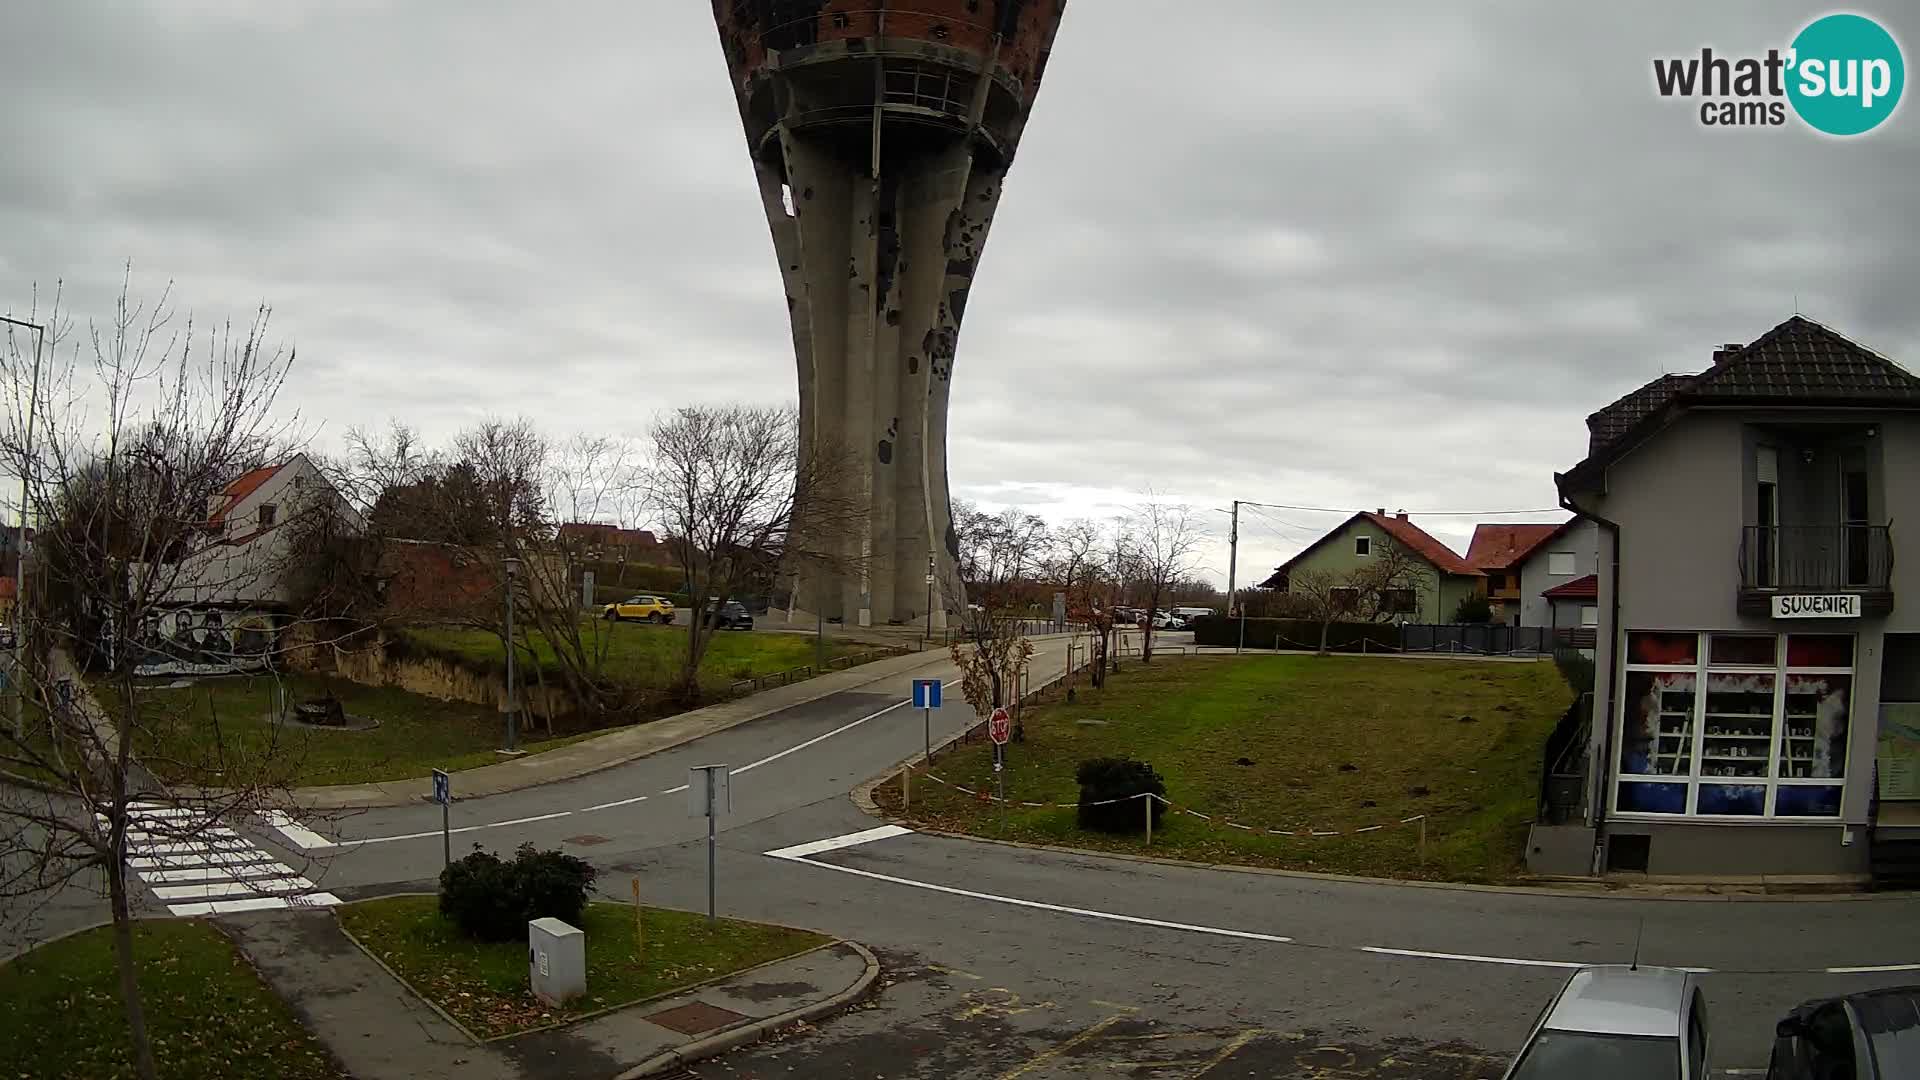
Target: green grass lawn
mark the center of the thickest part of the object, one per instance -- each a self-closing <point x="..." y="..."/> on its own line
<point x="217" y="730"/>
<point x="637" y="654"/>
<point x="484" y="985"/>
<point x="1287" y="742"/>
<point x="208" y="1014"/>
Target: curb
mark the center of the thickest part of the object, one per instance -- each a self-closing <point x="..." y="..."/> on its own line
<point x="721" y="1042"/>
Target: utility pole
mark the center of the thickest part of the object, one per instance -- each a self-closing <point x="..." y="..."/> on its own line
<point x="20" y="541"/>
<point x="1233" y="565"/>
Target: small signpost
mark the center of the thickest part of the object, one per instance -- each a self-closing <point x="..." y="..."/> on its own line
<point x="926" y="698"/>
<point x="443" y="794"/>
<point x="709" y="794"/>
<point x="1000" y="729"/>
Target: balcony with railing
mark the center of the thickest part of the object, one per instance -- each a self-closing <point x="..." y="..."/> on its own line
<point x="1818" y="560"/>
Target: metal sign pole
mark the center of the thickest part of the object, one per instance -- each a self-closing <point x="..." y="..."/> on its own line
<point x="711" y="873"/>
<point x="443" y="794"/>
<point x="927" y="714"/>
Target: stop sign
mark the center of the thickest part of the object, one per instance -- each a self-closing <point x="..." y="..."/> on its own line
<point x="1000" y="727"/>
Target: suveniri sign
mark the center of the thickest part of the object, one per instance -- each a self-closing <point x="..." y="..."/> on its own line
<point x="1816" y="607"/>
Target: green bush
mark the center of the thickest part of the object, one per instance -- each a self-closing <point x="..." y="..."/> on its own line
<point x="492" y="900"/>
<point x="1103" y="779"/>
<point x="1575" y="668"/>
<point x="1473" y="608"/>
<point x="1296" y="634"/>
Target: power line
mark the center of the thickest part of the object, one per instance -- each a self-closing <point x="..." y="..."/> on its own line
<point x="1422" y="513"/>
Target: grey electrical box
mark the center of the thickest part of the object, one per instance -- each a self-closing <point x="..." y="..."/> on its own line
<point x="556" y="960"/>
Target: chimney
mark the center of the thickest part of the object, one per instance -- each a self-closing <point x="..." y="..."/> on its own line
<point x="1401" y="514"/>
<point x="1726" y="352"/>
<point x="1382" y="511"/>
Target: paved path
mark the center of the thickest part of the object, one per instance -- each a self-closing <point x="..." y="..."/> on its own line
<point x="380" y="1031"/>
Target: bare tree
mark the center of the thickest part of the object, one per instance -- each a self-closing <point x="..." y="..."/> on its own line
<point x="1165" y="541"/>
<point x="1324" y="596"/>
<point x="742" y="502"/>
<point x="134" y="434"/>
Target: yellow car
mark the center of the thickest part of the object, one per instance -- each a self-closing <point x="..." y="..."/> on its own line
<point x="653" y="609"/>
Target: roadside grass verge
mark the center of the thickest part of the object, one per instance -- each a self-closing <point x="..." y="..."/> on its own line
<point x="208" y="1013"/>
<point x="484" y="984"/>
<point x="643" y="656"/>
<point x="1284" y="742"/>
<point x="220" y="726"/>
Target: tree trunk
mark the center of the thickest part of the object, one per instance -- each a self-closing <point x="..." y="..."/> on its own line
<point x="123" y="954"/>
<point x="1325" y="627"/>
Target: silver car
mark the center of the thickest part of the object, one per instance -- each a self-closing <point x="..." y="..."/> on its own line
<point x="1615" y="1021"/>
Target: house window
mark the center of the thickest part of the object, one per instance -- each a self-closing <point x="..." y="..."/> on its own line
<point x="1363" y="546"/>
<point x="1589" y="615"/>
<point x="1396" y="601"/>
<point x="1560" y="563"/>
<point x="1734" y="725"/>
<point x="1343" y="600"/>
<point x="268" y="512"/>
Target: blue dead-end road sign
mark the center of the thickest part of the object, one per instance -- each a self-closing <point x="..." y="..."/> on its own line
<point x="926" y="693"/>
<point x="442" y="787"/>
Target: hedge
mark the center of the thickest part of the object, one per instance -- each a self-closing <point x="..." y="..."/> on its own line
<point x="1295" y="634"/>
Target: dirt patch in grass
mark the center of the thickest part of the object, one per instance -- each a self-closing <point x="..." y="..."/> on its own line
<point x="207" y="1011"/>
<point x="484" y="985"/>
<point x="1290" y="743"/>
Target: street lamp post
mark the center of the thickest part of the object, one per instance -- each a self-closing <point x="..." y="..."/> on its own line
<point x="20" y="540"/>
<point x="928" y="639"/>
<point x="512" y="566"/>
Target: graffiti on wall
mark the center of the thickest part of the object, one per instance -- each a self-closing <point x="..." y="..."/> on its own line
<point x="204" y="641"/>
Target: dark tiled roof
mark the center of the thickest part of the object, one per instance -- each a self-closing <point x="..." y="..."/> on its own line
<point x="1580" y="588"/>
<point x="1618" y="418"/>
<point x="1498" y="546"/>
<point x="1799" y="362"/>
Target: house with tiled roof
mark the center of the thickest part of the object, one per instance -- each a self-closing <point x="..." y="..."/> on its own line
<point x="1430" y="597"/>
<point x="1757" y="687"/>
<point x="1529" y="565"/>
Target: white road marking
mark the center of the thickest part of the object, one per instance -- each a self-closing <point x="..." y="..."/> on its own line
<point x="296" y="833"/>
<point x="216" y="873"/>
<point x="1508" y="960"/>
<point x="258" y="903"/>
<point x="835" y="843"/>
<point x="216" y="890"/>
<point x="202" y="857"/>
<point x="450" y="832"/>
<point x="1015" y="901"/>
<point x="675" y="790"/>
<point x="616" y="802"/>
<point x="526" y="820"/>
<point x="1871" y="969"/>
<point x="822" y="738"/>
<point x="150" y="850"/>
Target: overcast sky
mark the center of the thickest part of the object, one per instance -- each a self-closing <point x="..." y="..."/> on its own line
<point x="1370" y="255"/>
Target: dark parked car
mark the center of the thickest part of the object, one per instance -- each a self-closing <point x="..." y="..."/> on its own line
<point x="732" y="615"/>
<point x="1874" y="1035"/>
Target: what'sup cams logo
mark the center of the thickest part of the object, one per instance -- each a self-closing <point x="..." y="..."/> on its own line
<point x="1842" y="75"/>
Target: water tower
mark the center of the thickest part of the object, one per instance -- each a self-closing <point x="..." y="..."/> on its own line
<point x="881" y="134"/>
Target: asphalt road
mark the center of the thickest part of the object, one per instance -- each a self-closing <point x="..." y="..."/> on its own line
<point x="1006" y="962"/>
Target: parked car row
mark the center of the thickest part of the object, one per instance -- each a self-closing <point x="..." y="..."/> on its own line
<point x="723" y="615"/>
<point x="1651" y="1023"/>
<point x="1174" y="619"/>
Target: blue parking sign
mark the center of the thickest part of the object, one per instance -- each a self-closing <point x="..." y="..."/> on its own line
<point x="926" y="693"/>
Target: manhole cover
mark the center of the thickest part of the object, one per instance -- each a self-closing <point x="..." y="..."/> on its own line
<point x="585" y="840"/>
<point x="694" y="1018"/>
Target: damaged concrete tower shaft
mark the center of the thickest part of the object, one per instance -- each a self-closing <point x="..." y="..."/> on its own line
<point x="881" y="136"/>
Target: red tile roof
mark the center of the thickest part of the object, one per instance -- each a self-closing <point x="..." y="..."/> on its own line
<point x="1417" y="540"/>
<point x="1581" y="588"/>
<point x="247" y="484"/>
<point x="1499" y="546"/>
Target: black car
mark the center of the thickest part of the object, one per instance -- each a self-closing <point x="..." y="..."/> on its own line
<point x="1874" y="1035"/>
<point x="732" y="615"/>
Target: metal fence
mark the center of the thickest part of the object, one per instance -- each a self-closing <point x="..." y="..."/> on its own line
<point x="1492" y="639"/>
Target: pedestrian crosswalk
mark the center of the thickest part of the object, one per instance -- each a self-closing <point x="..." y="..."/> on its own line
<point x="199" y="867"/>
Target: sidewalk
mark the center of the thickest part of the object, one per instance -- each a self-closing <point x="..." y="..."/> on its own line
<point x="380" y="1031"/>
